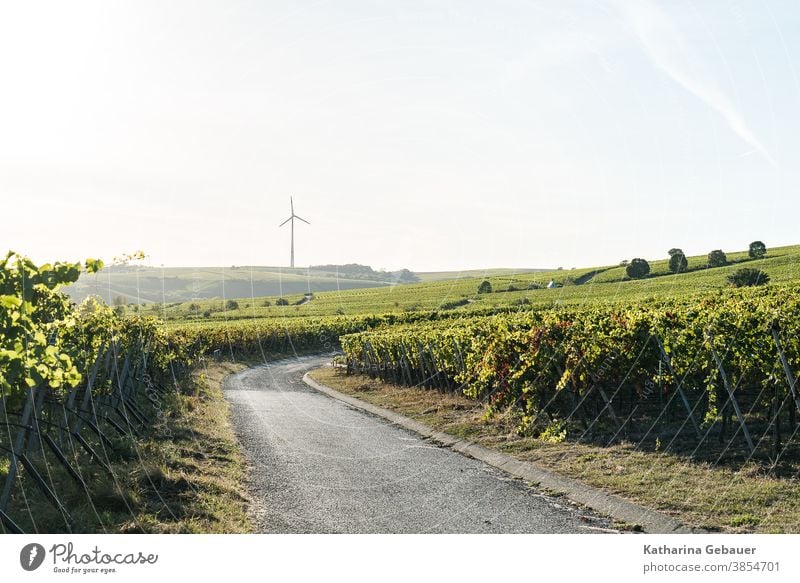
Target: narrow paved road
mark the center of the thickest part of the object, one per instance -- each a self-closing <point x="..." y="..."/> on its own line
<point x="321" y="466"/>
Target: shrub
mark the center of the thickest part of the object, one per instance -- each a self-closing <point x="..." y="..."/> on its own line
<point x="757" y="250"/>
<point x="637" y="268"/>
<point x="194" y="308"/>
<point x="232" y="305"/>
<point x="717" y="258"/>
<point x="485" y="287"/>
<point x="748" y="276"/>
<point x="453" y="304"/>
<point x="266" y="303"/>
<point x="281" y="302"/>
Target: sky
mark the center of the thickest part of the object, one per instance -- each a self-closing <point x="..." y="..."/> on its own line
<point x="431" y="134"/>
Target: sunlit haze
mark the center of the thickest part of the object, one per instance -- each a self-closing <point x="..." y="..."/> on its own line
<point x="427" y="135"/>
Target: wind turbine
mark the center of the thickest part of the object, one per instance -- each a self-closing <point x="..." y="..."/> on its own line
<point x="292" y="218"/>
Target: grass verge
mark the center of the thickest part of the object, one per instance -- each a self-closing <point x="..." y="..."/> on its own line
<point x="185" y="475"/>
<point x="697" y="494"/>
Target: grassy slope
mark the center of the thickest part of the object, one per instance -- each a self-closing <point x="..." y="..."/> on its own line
<point x="179" y="284"/>
<point x="608" y="285"/>
<point x="429" y="276"/>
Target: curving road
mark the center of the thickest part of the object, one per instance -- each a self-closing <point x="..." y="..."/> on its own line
<point x="319" y="466"/>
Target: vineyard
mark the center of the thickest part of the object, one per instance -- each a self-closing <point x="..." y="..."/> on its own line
<point x="714" y="378"/>
<point x="604" y="285"/>
<point x="79" y="385"/>
<point x="708" y="373"/>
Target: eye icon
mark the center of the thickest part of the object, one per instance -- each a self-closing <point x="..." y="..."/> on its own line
<point x="31" y="556"/>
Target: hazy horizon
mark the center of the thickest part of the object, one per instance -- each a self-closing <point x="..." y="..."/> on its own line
<point x="434" y="137"/>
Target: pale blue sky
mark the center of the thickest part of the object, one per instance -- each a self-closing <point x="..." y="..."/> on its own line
<point x="429" y="135"/>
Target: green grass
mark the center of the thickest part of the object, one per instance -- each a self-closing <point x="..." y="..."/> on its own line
<point x="429" y="276"/>
<point x="596" y="285"/>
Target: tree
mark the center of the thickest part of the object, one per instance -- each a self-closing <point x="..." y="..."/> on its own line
<point x="677" y="260"/>
<point x="232" y="305"/>
<point x="485" y="287"/>
<point x="757" y="250"/>
<point x="194" y="308"/>
<point x="717" y="258"/>
<point x="748" y="276"/>
<point x="281" y="302"/>
<point x="637" y="268"/>
<point x="406" y="276"/>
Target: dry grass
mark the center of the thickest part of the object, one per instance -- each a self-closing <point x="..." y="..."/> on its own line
<point x="197" y="466"/>
<point x="185" y="476"/>
<point x="696" y="493"/>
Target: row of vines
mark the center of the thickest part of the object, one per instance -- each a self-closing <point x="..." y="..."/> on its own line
<point x="79" y="383"/>
<point x="721" y="365"/>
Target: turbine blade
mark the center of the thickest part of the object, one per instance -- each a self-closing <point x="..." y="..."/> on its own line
<point x="286" y="221"/>
<point x="302" y="219"/>
<point x="291" y="203"/>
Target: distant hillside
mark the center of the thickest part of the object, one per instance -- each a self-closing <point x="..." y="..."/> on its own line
<point x="357" y="271"/>
<point x="180" y="284"/>
<point x="469" y="273"/>
<point x="458" y="291"/>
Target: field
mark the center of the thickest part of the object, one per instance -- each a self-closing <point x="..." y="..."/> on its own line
<point x="603" y="285"/>
<point x="177" y="284"/>
<point x="684" y="370"/>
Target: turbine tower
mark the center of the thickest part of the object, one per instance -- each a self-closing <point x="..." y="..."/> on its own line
<point x="292" y="218"/>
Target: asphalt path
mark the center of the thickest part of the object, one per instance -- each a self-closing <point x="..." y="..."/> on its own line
<point x="317" y="465"/>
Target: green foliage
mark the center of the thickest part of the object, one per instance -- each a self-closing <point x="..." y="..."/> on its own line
<point x="45" y="340"/>
<point x="555" y="432"/>
<point x="231" y="305"/>
<point x="677" y="260"/>
<point x="34" y="317"/>
<point x="485" y="287"/>
<point x="453" y="304"/>
<point x="281" y="302"/>
<point x="757" y="250"/>
<point x="717" y="258"/>
<point x="748" y="276"/>
<point x="637" y="268"/>
<point x="556" y="356"/>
